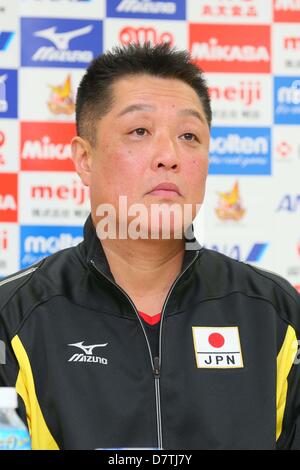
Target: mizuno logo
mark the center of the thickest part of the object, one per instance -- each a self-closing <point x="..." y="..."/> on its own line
<point x="61" y="40"/>
<point x="88" y="349"/>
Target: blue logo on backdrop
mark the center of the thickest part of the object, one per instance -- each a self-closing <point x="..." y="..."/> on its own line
<point x="163" y="9"/>
<point x="39" y="242"/>
<point x="5" y="39"/>
<point x="59" y="42"/>
<point x="254" y="255"/>
<point x="8" y="93"/>
<point x="287" y="100"/>
<point x="240" y="151"/>
<point x="289" y="203"/>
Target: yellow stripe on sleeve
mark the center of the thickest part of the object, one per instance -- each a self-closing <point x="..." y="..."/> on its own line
<point x="285" y="361"/>
<point x="41" y="438"/>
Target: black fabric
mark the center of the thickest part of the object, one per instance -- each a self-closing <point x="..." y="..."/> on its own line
<point x="109" y="396"/>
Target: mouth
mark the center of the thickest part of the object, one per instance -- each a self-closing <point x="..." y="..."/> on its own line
<point x="165" y="190"/>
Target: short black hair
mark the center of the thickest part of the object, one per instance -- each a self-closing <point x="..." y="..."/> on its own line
<point x="95" y="96"/>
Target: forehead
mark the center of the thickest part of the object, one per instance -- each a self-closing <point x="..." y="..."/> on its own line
<point x="149" y="89"/>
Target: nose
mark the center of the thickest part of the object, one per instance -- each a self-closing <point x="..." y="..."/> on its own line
<point x="165" y="154"/>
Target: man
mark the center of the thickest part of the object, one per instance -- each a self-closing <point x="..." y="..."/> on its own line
<point x="149" y="341"/>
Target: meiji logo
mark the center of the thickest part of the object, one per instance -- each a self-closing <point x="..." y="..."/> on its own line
<point x="72" y="42"/>
<point x="146" y="6"/>
<point x="61" y="42"/>
<point x="217" y="347"/>
<point x="291" y="43"/>
<point x="246" y="92"/>
<point x="232" y="48"/>
<point x="129" y="35"/>
<point x="8" y="197"/>
<point x="87" y="355"/>
<point x="75" y="192"/>
<point x="287" y="10"/>
<point x="3" y="241"/>
<point x="254" y="255"/>
<point x="289" y="203"/>
<point x="5" y="39"/>
<point x="46" y="147"/>
<point x="212" y="50"/>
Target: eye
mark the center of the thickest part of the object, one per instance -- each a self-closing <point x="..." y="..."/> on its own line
<point x="189" y="137"/>
<point x="140" y="131"/>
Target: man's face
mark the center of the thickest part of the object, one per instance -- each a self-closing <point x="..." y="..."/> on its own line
<point x="155" y="132"/>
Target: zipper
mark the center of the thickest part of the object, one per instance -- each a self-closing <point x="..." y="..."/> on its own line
<point x="156" y="364"/>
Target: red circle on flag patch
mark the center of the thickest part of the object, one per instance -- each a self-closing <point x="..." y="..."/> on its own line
<point x="216" y="340"/>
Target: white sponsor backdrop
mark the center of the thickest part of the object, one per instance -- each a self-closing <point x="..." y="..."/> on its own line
<point x="250" y="50"/>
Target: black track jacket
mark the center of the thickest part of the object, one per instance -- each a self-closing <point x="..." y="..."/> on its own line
<point x="226" y="376"/>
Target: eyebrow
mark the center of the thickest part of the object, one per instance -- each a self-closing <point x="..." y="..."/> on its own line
<point x="147" y="107"/>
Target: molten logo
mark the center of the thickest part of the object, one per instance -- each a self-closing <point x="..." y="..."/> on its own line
<point x="247" y="92"/>
<point x="75" y="192"/>
<point x="129" y="35"/>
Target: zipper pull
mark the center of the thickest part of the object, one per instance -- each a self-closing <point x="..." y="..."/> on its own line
<point x="156" y="368"/>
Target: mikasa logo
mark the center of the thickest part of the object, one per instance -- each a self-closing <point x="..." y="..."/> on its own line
<point x="88" y="356"/>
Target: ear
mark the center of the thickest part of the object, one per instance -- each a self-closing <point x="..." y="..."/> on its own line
<point x="82" y="158"/>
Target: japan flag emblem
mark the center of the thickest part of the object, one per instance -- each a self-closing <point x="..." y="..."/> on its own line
<point x="217" y="347"/>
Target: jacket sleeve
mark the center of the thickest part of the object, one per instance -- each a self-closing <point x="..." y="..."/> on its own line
<point x="288" y="384"/>
<point x="9" y="367"/>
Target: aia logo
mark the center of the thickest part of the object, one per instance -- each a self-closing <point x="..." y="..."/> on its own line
<point x="286" y="11"/>
<point x="231" y="48"/>
<point x="46" y="146"/>
<point x="8" y="197"/>
<point x="140" y="35"/>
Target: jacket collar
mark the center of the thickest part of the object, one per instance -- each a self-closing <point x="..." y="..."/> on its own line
<point x="94" y="251"/>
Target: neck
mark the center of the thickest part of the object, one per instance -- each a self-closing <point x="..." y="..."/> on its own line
<point x="145" y="269"/>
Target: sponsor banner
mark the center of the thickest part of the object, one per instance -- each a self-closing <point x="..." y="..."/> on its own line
<point x="56" y="198"/>
<point x="9" y="47"/>
<point x="241" y="99"/>
<point x="8" y="93"/>
<point x="286" y="11"/>
<point x="231" y="48"/>
<point x="286" y="151"/>
<point x="140" y="31"/>
<point x="9" y="145"/>
<point x="9" y="249"/>
<point x="39" y="242"/>
<point x="54" y="94"/>
<point x="8" y="197"/>
<point x="52" y="42"/>
<point x="163" y="9"/>
<point x="45" y="146"/>
<point x="240" y="151"/>
<point x="233" y="205"/>
<point x="286" y="42"/>
<point x="230" y="11"/>
<point x="63" y="8"/>
<point x="287" y="100"/>
<point x="288" y="204"/>
<point x="252" y="251"/>
<point x="9" y="12"/>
